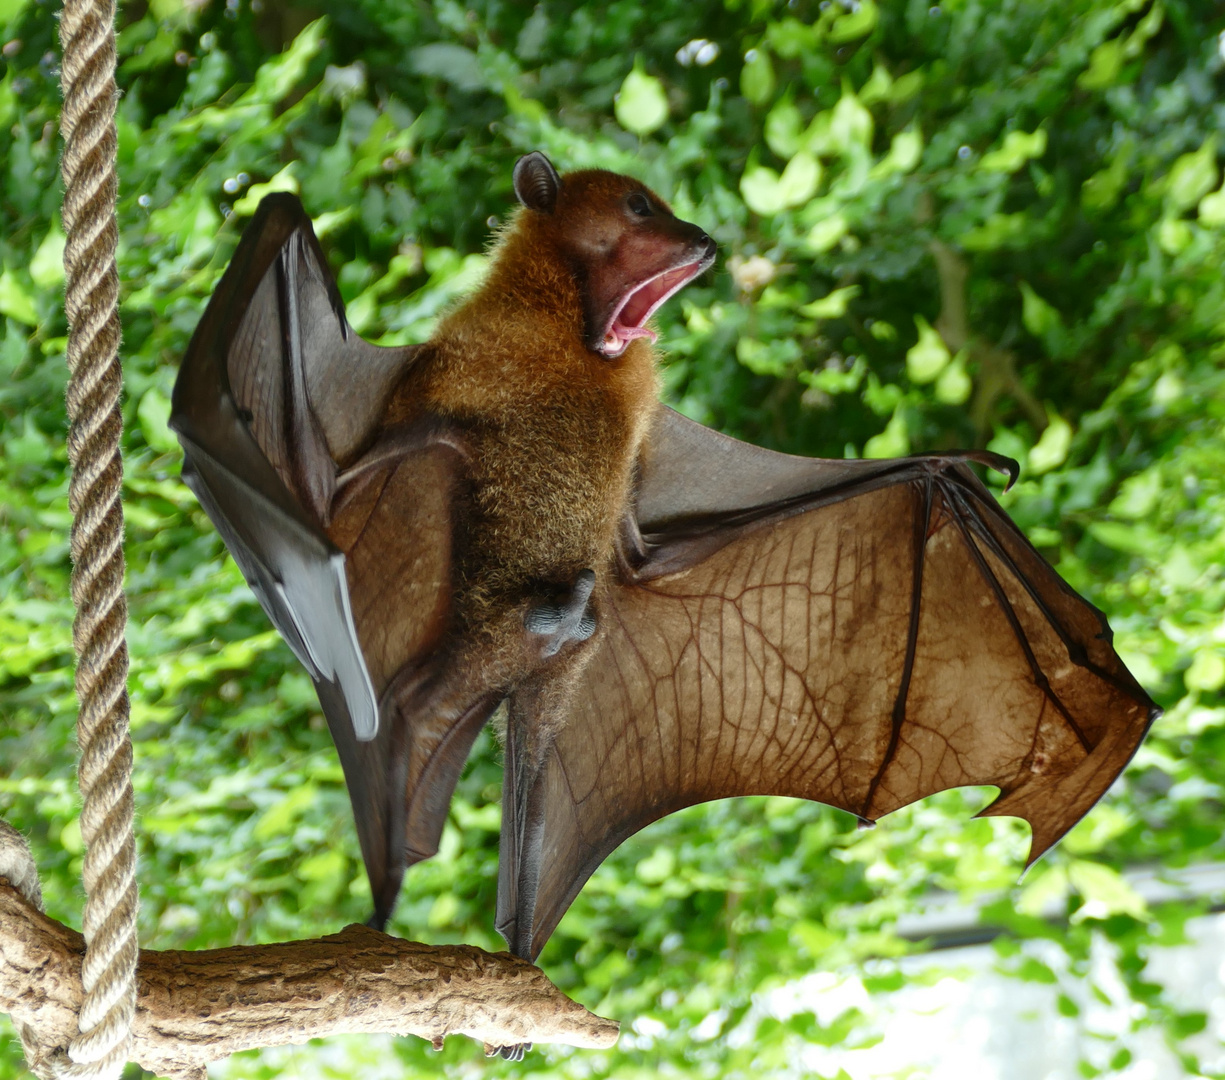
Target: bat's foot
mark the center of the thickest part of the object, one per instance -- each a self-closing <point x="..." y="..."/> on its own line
<point x="571" y="621"/>
<point x="510" y="1053"/>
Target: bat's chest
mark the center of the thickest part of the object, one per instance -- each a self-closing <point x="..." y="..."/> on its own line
<point x="553" y="436"/>
<point x="549" y="491"/>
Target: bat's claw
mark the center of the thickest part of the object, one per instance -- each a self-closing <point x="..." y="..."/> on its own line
<point x="571" y="621"/>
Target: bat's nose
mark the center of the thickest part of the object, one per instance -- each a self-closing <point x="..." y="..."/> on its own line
<point x="704" y="249"/>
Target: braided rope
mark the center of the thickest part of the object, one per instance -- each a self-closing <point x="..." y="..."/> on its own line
<point x="18" y="869"/>
<point x="108" y="973"/>
<point x="17" y="865"/>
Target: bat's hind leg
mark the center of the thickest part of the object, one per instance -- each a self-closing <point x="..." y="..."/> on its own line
<point x="573" y="620"/>
<point x="518" y="866"/>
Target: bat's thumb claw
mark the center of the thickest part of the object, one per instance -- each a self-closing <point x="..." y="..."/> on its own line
<point x="998" y="463"/>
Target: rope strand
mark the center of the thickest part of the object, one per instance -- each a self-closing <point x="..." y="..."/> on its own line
<point x="87" y="33"/>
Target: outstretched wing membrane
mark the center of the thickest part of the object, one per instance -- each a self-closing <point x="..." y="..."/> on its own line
<point x="343" y="529"/>
<point x="866" y="634"/>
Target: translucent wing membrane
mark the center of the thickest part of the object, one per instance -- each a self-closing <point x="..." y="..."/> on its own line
<point x="884" y="636"/>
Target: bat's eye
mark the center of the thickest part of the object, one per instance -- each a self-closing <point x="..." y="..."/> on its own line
<point x="640" y="204"/>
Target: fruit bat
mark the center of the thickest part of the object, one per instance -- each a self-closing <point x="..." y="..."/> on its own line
<point x="507" y="513"/>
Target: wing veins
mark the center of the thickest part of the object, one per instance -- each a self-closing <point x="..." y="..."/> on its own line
<point x="919" y="529"/>
<point x="1039" y="676"/>
<point x="1076" y="651"/>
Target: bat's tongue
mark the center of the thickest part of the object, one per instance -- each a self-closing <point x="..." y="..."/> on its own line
<point x="619" y="336"/>
<point x="639" y="305"/>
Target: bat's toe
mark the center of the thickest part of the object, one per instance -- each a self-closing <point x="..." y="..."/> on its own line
<point x="510" y="1053"/>
<point x="572" y="620"/>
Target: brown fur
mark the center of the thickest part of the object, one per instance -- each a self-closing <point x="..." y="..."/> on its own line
<point x="554" y="427"/>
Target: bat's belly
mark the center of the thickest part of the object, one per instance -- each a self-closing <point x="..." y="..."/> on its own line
<point x="546" y="507"/>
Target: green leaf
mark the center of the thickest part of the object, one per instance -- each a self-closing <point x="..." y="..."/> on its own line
<point x="954" y="385"/>
<point x="878" y="86"/>
<point x="70" y="837"/>
<point x="777" y="358"/>
<point x="444" y="911"/>
<point x="1184" y="1025"/>
<point x="657" y="867"/>
<point x="154" y="415"/>
<point x="927" y="357"/>
<point x="11" y="10"/>
<point x="1145" y="29"/>
<point x="1105" y="63"/>
<point x="8" y="99"/>
<point x="761" y="190"/>
<point x="825" y="234"/>
<point x="999" y="230"/>
<point x="792" y="39"/>
<point x="833" y="305"/>
<point x="1173" y="235"/>
<point x="905" y="152"/>
<point x="855" y="23"/>
<point x="800" y="179"/>
<point x="1047" y="886"/>
<point x="285" y="180"/>
<point x="757" y="76"/>
<point x="1101" y="191"/>
<point x="641" y="106"/>
<point x="1207" y="671"/>
<point x="833" y="380"/>
<point x="850" y="123"/>
<point x="1192" y="176"/>
<point x="766" y="193"/>
<point x="906" y="86"/>
<point x="783" y="128"/>
<point x="325" y="866"/>
<point x="1102" y="824"/>
<point x="894" y="441"/>
<point x="1104" y="891"/>
<point x="813" y="938"/>
<point x="1134" y="539"/>
<point x="16" y="301"/>
<point x="1039" y="317"/>
<point x="275" y="822"/>
<point x="1066" y="1006"/>
<point x="1019" y="147"/>
<point x="47" y="266"/>
<point x="278" y="76"/>
<point x="1138" y="495"/>
<point x="1212" y="208"/>
<point x="451" y="63"/>
<point x="1051" y="449"/>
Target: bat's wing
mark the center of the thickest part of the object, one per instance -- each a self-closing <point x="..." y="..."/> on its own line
<point x="353" y="567"/>
<point x="861" y="633"/>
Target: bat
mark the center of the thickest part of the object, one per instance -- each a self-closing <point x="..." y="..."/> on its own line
<point x="507" y="513"/>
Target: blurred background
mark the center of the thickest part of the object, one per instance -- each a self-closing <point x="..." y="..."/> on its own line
<point x="991" y="223"/>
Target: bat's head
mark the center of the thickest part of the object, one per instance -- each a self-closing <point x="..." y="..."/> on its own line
<point x="627" y="250"/>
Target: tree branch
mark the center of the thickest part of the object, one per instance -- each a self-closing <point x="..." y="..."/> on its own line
<point x="197" y="1007"/>
<point x="997" y="372"/>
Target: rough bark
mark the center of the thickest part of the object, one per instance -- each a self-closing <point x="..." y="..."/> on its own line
<point x="197" y="1007"/>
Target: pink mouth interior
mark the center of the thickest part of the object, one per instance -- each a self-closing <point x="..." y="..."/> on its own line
<point x="638" y="305"/>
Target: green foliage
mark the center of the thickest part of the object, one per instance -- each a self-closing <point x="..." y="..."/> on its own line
<point x="1068" y="154"/>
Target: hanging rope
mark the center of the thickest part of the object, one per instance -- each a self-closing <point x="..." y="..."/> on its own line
<point x="87" y="34"/>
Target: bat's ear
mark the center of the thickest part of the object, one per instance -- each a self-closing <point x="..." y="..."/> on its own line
<point x="537" y="182"/>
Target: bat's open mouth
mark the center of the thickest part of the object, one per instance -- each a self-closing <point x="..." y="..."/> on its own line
<point x="641" y="302"/>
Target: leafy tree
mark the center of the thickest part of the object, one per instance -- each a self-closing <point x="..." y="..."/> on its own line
<point x="975" y="223"/>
